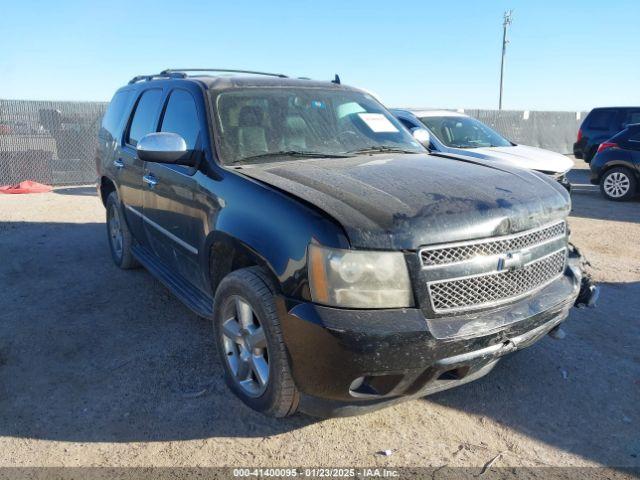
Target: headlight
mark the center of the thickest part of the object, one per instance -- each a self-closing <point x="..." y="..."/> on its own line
<point x="357" y="279"/>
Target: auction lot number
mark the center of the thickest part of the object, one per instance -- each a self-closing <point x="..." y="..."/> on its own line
<point x="316" y="472"/>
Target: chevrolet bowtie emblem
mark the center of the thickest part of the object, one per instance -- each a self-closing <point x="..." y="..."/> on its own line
<point x="513" y="260"/>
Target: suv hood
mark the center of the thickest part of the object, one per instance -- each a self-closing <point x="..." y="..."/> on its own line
<point x="524" y="157"/>
<point x="402" y="202"/>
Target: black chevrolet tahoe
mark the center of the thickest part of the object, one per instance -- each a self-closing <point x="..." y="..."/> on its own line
<point x="344" y="267"/>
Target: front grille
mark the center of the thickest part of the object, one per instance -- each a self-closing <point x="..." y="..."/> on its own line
<point x="435" y="256"/>
<point x="491" y="289"/>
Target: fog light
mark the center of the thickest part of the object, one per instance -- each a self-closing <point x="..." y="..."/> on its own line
<point x="374" y="386"/>
<point x="356" y="384"/>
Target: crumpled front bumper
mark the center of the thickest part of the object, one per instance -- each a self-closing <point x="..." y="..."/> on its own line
<point x="346" y="362"/>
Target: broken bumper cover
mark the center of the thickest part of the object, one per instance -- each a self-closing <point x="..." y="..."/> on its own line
<point x="564" y="181"/>
<point x="589" y="292"/>
<point x="345" y="361"/>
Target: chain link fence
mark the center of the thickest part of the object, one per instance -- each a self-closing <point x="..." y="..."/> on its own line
<point x="49" y="142"/>
<point x="554" y="131"/>
<point x="55" y="142"/>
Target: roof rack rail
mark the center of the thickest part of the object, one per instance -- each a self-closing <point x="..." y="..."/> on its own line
<point x="147" y="78"/>
<point x="170" y="71"/>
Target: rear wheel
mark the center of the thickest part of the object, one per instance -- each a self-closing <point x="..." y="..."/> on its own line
<point x="251" y="345"/>
<point x="618" y="184"/>
<point x="120" y="238"/>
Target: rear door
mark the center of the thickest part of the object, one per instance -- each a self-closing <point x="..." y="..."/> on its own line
<point x="174" y="206"/>
<point x="130" y="168"/>
<point x="631" y="143"/>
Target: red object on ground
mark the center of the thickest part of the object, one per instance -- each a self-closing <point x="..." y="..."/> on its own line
<point x="27" y="186"/>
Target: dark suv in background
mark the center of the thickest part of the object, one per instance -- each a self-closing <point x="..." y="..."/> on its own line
<point x="616" y="166"/>
<point x="600" y="125"/>
<point x="343" y="266"/>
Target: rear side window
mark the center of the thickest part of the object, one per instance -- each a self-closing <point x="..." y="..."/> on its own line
<point x="635" y="137"/>
<point x="181" y="117"/>
<point x="144" y="117"/>
<point x="632" y="117"/>
<point x="601" y="119"/>
<point x="115" y="111"/>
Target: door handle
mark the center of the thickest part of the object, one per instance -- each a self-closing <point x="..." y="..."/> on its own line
<point x="150" y="180"/>
<point x="119" y="163"/>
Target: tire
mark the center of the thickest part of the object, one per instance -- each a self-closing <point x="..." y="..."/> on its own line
<point x="590" y="154"/>
<point x="618" y="184"/>
<point x="119" y="243"/>
<point x="244" y="351"/>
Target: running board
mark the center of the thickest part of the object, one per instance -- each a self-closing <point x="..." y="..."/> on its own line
<point x="199" y="302"/>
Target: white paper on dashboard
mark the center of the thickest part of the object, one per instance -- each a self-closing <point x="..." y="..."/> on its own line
<point x="378" y="123"/>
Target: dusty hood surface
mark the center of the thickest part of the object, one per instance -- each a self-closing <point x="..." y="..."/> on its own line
<point x="405" y="201"/>
<point x="524" y="157"/>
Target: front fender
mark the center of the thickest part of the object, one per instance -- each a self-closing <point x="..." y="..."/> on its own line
<point x="260" y="225"/>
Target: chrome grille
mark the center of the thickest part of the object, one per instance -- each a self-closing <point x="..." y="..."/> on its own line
<point x="435" y="256"/>
<point x="494" y="288"/>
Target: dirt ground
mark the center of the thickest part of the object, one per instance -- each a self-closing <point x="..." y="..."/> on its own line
<point x="100" y="367"/>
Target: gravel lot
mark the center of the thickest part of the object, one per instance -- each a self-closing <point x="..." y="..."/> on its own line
<point x="104" y="367"/>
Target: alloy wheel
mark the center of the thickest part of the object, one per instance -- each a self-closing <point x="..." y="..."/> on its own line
<point x="616" y="184"/>
<point x="115" y="232"/>
<point x="245" y="347"/>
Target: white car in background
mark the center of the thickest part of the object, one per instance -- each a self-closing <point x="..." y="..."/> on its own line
<point x="454" y="132"/>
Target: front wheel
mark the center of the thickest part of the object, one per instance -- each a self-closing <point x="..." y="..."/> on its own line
<point x="618" y="184"/>
<point x="251" y="345"/>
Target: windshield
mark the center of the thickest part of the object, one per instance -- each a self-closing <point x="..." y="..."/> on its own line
<point x="464" y="132"/>
<point x="261" y="124"/>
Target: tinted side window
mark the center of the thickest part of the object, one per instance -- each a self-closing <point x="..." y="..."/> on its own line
<point x="144" y="117"/>
<point x="181" y="117"/>
<point x="601" y="119"/>
<point x="113" y="116"/>
<point x="635" y="137"/>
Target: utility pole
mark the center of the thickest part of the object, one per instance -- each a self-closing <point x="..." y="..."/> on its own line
<point x="507" y="21"/>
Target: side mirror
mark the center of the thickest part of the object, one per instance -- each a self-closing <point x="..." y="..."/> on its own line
<point x="421" y="135"/>
<point x="164" y="147"/>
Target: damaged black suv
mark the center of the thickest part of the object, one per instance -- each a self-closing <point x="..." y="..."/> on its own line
<point x="344" y="267"/>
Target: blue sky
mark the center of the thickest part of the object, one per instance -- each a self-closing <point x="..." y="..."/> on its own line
<point x="563" y="55"/>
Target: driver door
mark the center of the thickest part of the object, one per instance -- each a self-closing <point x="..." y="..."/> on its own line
<point x="175" y="211"/>
<point x="129" y="168"/>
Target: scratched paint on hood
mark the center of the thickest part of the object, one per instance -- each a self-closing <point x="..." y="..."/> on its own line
<point x="403" y="202"/>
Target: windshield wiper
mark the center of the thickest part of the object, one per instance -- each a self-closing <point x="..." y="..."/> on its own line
<point x="293" y="153"/>
<point x="383" y="149"/>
